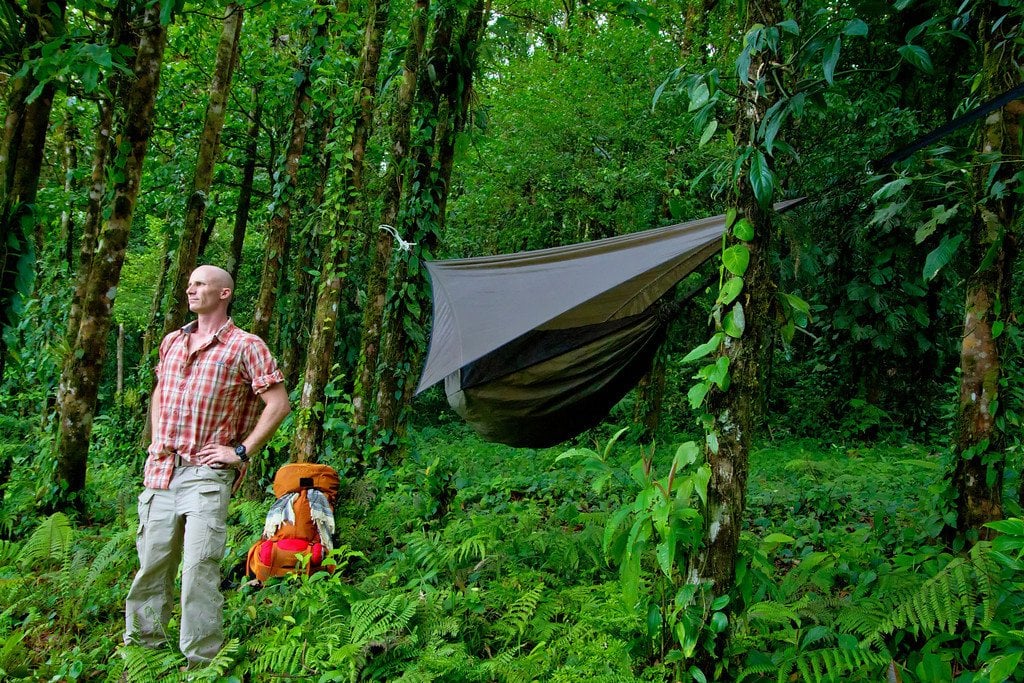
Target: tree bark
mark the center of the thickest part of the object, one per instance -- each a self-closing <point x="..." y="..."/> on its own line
<point x="216" y="109"/>
<point x="445" y="104"/>
<point x="280" y="223"/>
<point x="21" y="160"/>
<point x="735" y="410"/>
<point x="245" y="191"/>
<point x="67" y="216"/>
<point x="79" y="381"/>
<point x="978" y="441"/>
<point x="382" y="241"/>
<point x="120" y="36"/>
<point x="309" y="430"/>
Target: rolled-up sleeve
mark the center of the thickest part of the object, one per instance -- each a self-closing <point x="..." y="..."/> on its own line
<point x="260" y="366"/>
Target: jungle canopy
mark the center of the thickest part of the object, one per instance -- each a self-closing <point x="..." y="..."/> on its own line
<point x="537" y="346"/>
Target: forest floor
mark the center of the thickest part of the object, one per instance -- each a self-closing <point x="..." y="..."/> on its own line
<point x="483" y="563"/>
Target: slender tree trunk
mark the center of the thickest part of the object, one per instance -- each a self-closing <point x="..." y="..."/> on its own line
<point x="280" y="223"/>
<point x="67" y="216"/>
<point x="309" y="431"/>
<point x="447" y="106"/>
<point x="245" y="191"/>
<point x="308" y="254"/>
<point x="420" y="219"/>
<point x="121" y="36"/>
<point x="202" y="181"/>
<point x="21" y="160"/>
<point x="981" y="460"/>
<point x="736" y="410"/>
<point x="80" y="378"/>
<point x="376" y="279"/>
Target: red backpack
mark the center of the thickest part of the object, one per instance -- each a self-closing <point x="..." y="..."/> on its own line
<point x="301" y="521"/>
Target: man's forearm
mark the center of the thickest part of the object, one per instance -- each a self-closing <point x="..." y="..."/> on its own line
<point x="275" y="410"/>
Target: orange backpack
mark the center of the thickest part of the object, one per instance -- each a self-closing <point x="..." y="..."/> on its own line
<point x="301" y="521"/>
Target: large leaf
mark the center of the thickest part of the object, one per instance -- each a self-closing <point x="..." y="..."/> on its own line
<point x="830" y="59"/>
<point x="761" y="180"/>
<point x="736" y="259"/>
<point x="940" y="256"/>
<point x="917" y="56"/>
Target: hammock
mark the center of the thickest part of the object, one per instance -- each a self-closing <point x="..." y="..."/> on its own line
<point x="536" y="347"/>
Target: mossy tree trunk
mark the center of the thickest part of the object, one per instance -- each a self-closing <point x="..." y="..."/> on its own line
<point x="309" y="430"/>
<point x="80" y="377"/>
<point x="978" y="440"/>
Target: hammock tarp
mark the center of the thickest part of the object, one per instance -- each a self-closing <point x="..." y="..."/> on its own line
<point x="536" y="347"/>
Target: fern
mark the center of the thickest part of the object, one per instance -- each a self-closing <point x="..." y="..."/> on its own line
<point x="519" y="614"/>
<point x="50" y="541"/>
<point x="946" y="598"/>
<point x="145" y="665"/>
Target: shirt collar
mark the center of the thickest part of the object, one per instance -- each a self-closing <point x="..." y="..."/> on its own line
<point x="220" y="335"/>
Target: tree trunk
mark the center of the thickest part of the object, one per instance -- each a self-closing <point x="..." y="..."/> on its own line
<point x="120" y="36"/>
<point x="735" y="410"/>
<point x="446" y="105"/>
<point x="21" y="160"/>
<point x="79" y="381"/>
<point x="382" y="241"/>
<point x="280" y="223"/>
<point x="67" y="216"/>
<point x="309" y="429"/>
<point x="216" y="109"/>
<point x="245" y="191"/>
<point x="978" y="441"/>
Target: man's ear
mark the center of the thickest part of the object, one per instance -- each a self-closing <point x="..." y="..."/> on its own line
<point x="225" y="292"/>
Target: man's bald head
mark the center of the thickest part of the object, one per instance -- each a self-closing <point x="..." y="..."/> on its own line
<point x="217" y="276"/>
<point x="210" y="290"/>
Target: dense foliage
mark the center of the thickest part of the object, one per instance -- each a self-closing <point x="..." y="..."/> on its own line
<point x="882" y="531"/>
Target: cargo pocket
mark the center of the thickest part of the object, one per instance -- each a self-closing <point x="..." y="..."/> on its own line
<point x="213" y="502"/>
<point x="145" y="504"/>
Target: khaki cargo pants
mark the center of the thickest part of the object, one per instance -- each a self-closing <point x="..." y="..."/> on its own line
<point x="186" y="524"/>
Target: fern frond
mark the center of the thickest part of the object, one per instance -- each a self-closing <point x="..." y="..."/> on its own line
<point x="8" y="553"/>
<point x="50" y="541"/>
<point x="146" y="665"/>
<point x="833" y="664"/>
<point x="221" y="663"/>
<point x="519" y="614"/>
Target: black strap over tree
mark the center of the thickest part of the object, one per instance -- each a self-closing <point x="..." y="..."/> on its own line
<point x="942" y="131"/>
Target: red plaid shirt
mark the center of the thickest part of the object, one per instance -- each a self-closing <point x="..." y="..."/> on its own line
<point x="208" y="396"/>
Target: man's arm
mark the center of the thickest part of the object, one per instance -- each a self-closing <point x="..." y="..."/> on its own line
<point x="275" y="408"/>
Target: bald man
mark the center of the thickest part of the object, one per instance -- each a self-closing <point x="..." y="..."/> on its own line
<point x="219" y="397"/>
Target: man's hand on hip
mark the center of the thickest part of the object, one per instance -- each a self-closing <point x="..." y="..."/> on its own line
<point x="218" y="456"/>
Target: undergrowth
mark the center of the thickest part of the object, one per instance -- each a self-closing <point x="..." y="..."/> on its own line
<point x="474" y="562"/>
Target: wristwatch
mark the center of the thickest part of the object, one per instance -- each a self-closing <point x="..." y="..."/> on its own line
<point x="240" y="452"/>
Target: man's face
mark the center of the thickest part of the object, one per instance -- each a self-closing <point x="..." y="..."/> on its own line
<point x="206" y="292"/>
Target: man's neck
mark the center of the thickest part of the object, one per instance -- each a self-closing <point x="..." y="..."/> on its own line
<point x="208" y="324"/>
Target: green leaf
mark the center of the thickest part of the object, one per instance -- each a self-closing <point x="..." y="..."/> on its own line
<point x="719" y="622"/>
<point x="686" y="454"/>
<point x="709" y="132"/>
<point x="777" y="538"/>
<point x="855" y="27"/>
<point x="697" y="393"/>
<point x="917" y="56"/>
<point x="743" y="230"/>
<point x="736" y="259"/>
<point x="704" y="349"/>
<point x="889" y="189"/>
<point x="940" y="256"/>
<point x="697" y="675"/>
<point x="730" y="217"/>
<point x="699" y="96"/>
<point x="730" y="290"/>
<point x="831" y="58"/>
<point x="790" y="26"/>
<point x="997" y="328"/>
<point x="761" y="180"/>
<point x="735" y="322"/>
<point x="700" y="480"/>
<point x="1004" y="666"/>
